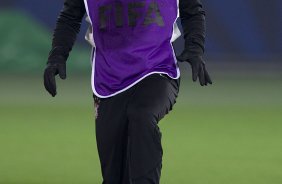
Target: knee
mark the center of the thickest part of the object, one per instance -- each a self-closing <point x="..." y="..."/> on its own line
<point x="143" y="123"/>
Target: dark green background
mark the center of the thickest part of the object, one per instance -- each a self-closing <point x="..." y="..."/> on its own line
<point x="227" y="133"/>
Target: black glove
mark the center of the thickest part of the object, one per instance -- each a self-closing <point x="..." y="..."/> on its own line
<point x="198" y="68"/>
<point x="56" y="65"/>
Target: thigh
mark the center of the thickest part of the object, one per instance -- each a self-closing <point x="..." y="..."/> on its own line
<point x="155" y="96"/>
<point x="111" y="121"/>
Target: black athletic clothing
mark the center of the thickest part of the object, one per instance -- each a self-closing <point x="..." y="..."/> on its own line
<point x="127" y="132"/>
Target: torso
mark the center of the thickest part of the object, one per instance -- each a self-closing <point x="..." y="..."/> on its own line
<point x="132" y="39"/>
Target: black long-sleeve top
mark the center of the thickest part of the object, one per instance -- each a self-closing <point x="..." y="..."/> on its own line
<point x="69" y="21"/>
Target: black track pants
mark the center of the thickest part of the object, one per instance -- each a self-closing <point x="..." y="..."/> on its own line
<point x="127" y="132"/>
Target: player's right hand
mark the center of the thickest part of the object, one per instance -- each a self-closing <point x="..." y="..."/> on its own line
<point x="55" y="66"/>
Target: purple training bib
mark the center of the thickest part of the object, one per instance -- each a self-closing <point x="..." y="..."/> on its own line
<point x="131" y="39"/>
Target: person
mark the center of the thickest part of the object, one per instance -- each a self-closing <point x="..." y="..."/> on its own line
<point x="135" y="75"/>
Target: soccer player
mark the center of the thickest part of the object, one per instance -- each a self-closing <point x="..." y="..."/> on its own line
<point x="135" y="75"/>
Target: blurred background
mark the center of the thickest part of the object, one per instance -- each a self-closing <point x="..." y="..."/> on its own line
<point x="229" y="132"/>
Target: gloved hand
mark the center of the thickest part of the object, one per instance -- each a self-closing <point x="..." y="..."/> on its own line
<point x="56" y="65"/>
<point x="198" y="67"/>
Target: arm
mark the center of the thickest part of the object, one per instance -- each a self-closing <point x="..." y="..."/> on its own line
<point x="192" y="18"/>
<point x="67" y="27"/>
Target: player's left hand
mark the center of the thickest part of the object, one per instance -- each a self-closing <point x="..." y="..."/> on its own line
<point x="198" y="68"/>
<point x="54" y="67"/>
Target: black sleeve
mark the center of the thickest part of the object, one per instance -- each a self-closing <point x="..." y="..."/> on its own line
<point x="192" y="18"/>
<point x="67" y="27"/>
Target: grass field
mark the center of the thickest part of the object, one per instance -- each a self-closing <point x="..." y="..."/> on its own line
<point x="229" y="133"/>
